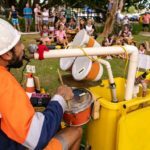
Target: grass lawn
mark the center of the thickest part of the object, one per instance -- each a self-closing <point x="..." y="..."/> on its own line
<point x="46" y="70"/>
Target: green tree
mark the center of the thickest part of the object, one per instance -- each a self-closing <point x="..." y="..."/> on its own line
<point x="132" y="9"/>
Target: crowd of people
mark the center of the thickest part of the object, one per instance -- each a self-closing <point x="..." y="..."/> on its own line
<point x="60" y="27"/>
<point x="124" y="37"/>
<point x="53" y="26"/>
<point x="52" y="18"/>
<point x="143" y="19"/>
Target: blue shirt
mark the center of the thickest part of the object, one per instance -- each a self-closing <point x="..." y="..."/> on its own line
<point x="27" y="13"/>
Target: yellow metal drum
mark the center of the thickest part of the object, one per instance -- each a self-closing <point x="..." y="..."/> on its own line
<point x="133" y="131"/>
<point x="103" y="134"/>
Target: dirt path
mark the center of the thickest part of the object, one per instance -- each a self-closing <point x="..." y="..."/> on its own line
<point x="145" y="33"/>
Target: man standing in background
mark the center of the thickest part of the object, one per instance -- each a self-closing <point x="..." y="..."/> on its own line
<point x="27" y="11"/>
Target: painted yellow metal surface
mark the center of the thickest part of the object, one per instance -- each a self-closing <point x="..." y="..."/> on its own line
<point x="102" y="134"/>
<point x="140" y="73"/>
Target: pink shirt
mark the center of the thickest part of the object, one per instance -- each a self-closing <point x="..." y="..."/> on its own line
<point x="60" y="34"/>
<point x="36" y="10"/>
<point x="146" y="19"/>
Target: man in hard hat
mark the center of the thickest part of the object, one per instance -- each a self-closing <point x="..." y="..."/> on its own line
<point x="20" y="126"/>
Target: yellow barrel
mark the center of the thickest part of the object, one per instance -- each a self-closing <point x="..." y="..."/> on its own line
<point x="103" y="134"/>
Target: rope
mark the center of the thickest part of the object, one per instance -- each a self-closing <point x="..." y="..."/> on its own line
<point x="91" y="58"/>
<point x="125" y="52"/>
<point x="127" y="59"/>
<point x="96" y="59"/>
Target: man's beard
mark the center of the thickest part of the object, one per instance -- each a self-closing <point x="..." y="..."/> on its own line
<point x="15" y="62"/>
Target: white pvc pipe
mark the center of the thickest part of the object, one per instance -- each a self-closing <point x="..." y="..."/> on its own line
<point x="111" y="79"/>
<point x="99" y="51"/>
<point x="131" y="71"/>
<point x="108" y="67"/>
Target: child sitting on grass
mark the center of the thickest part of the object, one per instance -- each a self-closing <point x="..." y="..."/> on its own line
<point x="106" y="43"/>
<point x="51" y="33"/>
<point x="61" y="36"/>
<point x="41" y="49"/>
<point x="45" y="35"/>
<point x="142" y="48"/>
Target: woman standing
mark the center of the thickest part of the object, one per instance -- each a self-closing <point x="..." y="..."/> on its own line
<point x="37" y="18"/>
<point x="45" y="16"/>
<point x="13" y="15"/>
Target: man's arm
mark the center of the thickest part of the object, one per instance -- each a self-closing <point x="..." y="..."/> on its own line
<point x="45" y="125"/>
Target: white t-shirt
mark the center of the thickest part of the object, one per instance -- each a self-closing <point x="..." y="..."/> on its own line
<point x="125" y="21"/>
<point x="119" y="15"/>
<point x="45" y="15"/>
<point x="89" y="29"/>
<point x="141" y="51"/>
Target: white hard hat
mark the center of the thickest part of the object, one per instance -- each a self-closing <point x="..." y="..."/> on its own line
<point x="9" y="36"/>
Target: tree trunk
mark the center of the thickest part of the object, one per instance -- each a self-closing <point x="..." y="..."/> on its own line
<point x="108" y="28"/>
<point x="121" y="4"/>
<point x="30" y="3"/>
<point x="35" y="2"/>
<point x="11" y="2"/>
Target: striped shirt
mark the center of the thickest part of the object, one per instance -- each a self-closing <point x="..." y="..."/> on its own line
<point x="21" y="126"/>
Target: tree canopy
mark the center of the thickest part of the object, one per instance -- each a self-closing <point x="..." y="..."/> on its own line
<point x="99" y="5"/>
<point x="94" y="4"/>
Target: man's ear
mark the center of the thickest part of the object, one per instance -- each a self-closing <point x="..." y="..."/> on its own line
<point x="7" y="56"/>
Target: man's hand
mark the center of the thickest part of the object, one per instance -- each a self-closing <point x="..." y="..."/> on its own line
<point x="65" y="92"/>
